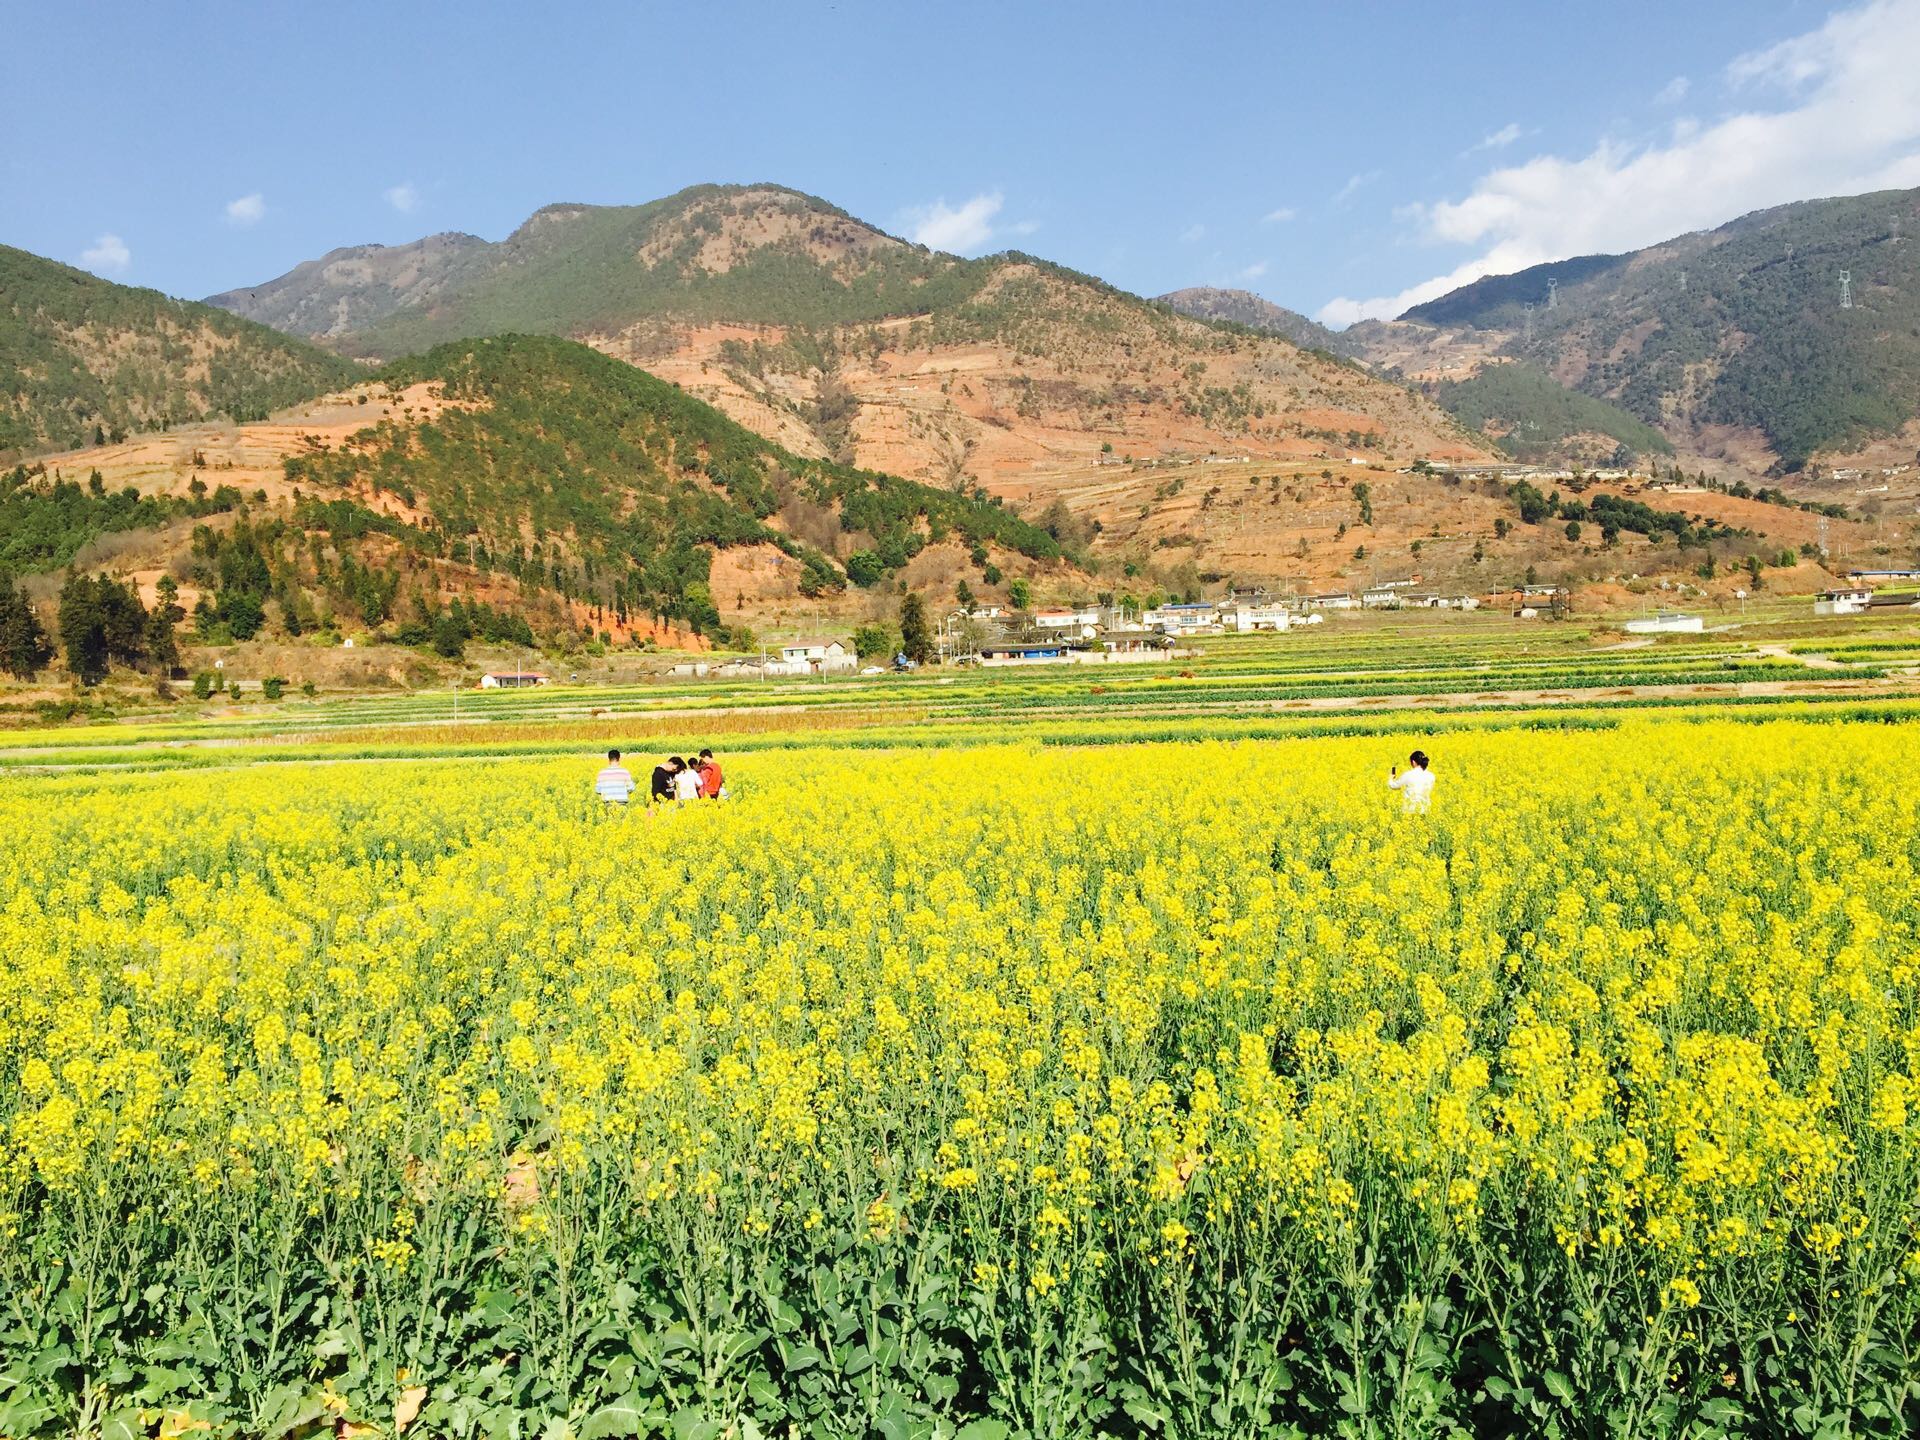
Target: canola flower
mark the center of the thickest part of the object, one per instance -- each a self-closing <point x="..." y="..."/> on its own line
<point x="1038" y="1089"/>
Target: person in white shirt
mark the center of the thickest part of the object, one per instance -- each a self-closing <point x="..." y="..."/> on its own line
<point x="1415" y="787"/>
<point x="686" y="783"/>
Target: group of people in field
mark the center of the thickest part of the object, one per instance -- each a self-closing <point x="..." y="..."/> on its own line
<point x="675" y="781"/>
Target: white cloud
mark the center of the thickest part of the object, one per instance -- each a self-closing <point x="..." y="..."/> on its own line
<point x="963" y="228"/>
<point x="402" y="197"/>
<point x="1193" y="233"/>
<point x="1280" y="216"/>
<point x="1674" y="91"/>
<point x="247" y="210"/>
<point x="1354" y="184"/>
<point x="1023" y="227"/>
<point x="107" y="256"/>
<point x="1254" y="271"/>
<point x="1496" y="140"/>
<point x="1845" y="118"/>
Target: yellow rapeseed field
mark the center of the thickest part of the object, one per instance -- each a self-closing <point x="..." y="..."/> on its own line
<point x="1168" y="1089"/>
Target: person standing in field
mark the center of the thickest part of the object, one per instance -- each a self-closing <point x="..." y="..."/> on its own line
<point x="614" y="783"/>
<point x="1415" y="787"/>
<point x="663" y="773"/>
<point x="686" y="782"/>
<point x="710" y="777"/>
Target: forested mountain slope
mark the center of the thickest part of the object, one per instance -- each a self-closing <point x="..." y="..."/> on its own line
<point x="83" y="358"/>
<point x="1737" y="329"/>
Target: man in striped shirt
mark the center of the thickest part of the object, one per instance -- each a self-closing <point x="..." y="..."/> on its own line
<point x="614" y="784"/>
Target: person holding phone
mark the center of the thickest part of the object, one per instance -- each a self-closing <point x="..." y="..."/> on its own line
<point x="1415" y="787"/>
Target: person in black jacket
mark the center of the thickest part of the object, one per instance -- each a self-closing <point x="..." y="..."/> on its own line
<point x="662" y="788"/>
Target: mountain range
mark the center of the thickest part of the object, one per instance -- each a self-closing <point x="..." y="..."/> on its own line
<point x="1783" y="338"/>
<point x="742" y="402"/>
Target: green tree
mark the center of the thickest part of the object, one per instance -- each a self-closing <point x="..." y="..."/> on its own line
<point x="1019" y="594"/>
<point x="24" y="648"/>
<point x="916" y="635"/>
<point x="1363" y="494"/>
<point x="449" y="635"/>
<point x="963" y="596"/>
<point x="83" y="630"/>
<point x="876" y="641"/>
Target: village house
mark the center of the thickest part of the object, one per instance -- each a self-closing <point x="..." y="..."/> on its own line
<point x="1245" y="617"/>
<point x="1085" y="618"/>
<point x="511" y="680"/>
<point x="812" y="657"/>
<point x="1184" y="619"/>
<point x="1843" y="602"/>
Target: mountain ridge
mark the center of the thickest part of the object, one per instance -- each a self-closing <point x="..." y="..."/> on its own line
<point x="1733" y="334"/>
<point x="841" y="340"/>
<point x="86" y="357"/>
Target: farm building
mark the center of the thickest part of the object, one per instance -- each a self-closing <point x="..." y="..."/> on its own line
<point x="511" y="680"/>
<point x="1014" y="652"/>
<point x="1843" y="602"/>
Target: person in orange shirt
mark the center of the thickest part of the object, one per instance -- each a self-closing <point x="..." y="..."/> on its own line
<point x="710" y="777"/>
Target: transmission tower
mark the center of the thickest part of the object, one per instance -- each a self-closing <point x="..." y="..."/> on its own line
<point x="1553" y="294"/>
<point x="1527" y="320"/>
<point x="1683" y="282"/>
<point x="1846" y="289"/>
<point x="1823" y="537"/>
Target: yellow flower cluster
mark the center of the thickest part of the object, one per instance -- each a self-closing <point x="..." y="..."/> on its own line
<point x="1652" y="993"/>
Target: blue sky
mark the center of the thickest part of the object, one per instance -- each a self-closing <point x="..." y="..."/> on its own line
<point x="1342" y="159"/>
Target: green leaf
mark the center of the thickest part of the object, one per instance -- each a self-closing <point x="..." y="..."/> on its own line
<point x="983" y="1430"/>
<point x="1558" y="1386"/>
<point x="625" y="1416"/>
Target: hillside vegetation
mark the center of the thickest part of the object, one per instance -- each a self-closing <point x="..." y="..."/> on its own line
<point x="84" y="359"/>
<point x="1739" y="326"/>
<point x="1533" y="417"/>
<point x="563" y="467"/>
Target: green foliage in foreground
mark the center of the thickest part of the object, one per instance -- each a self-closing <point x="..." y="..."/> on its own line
<point x="83" y="359"/>
<point x="825" y="1291"/>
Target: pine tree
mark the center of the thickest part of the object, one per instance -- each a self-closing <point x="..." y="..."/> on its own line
<point x="83" y="633"/>
<point x="24" y="648"/>
<point x="916" y="637"/>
